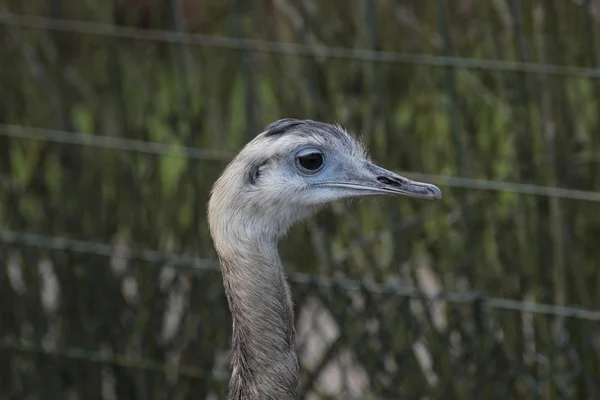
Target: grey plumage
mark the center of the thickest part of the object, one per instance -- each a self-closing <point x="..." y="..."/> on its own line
<point x="282" y="176"/>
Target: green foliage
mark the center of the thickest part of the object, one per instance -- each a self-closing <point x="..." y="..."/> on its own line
<point x="483" y="123"/>
<point x="83" y="120"/>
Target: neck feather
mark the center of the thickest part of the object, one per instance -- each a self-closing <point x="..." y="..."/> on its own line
<point x="263" y="356"/>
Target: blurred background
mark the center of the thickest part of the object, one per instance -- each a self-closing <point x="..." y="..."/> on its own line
<point x="116" y="117"/>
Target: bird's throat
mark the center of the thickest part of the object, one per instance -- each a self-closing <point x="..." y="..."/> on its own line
<point x="263" y="355"/>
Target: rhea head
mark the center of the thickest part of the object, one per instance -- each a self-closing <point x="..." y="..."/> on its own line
<point x="283" y="175"/>
<point x="290" y="170"/>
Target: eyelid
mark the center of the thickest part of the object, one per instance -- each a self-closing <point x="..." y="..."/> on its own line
<point x="308" y="151"/>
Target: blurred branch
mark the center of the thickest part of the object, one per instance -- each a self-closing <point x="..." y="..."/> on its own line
<point x="37" y="68"/>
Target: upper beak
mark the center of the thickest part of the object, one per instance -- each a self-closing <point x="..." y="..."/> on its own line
<point x="388" y="181"/>
<point x="377" y="180"/>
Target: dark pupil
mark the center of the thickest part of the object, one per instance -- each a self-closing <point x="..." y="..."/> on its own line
<point x="311" y="161"/>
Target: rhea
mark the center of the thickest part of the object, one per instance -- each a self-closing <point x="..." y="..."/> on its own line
<point x="285" y="174"/>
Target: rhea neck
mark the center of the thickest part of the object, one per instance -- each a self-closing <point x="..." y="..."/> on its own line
<point x="263" y="355"/>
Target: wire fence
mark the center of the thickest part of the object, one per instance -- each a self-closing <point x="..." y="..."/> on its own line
<point x="147" y="147"/>
<point x="476" y="292"/>
<point x="261" y="46"/>
<point x="304" y="283"/>
<point x="194" y="263"/>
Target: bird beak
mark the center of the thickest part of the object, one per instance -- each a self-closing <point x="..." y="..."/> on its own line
<point x="389" y="182"/>
<point x="375" y="180"/>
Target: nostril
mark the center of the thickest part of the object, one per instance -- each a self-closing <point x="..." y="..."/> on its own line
<point x="384" y="180"/>
<point x="389" y="181"/>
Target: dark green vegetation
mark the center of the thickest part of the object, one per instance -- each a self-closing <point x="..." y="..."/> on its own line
<point x="87" y="317"/>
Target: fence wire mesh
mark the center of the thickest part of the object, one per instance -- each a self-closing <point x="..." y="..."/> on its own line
<point x="116" y="117"/>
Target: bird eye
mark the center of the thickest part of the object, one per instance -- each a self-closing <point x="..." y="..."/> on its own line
<point x="311" y="161"/>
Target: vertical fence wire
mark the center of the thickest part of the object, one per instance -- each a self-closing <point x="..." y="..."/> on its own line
<point x="460" y="154"/>
<point x="182" y="62"/>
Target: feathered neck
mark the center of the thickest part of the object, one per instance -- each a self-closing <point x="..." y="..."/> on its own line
<point x="263" y="355"/>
